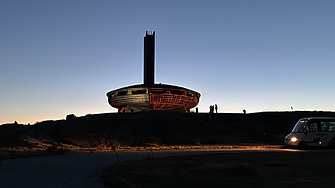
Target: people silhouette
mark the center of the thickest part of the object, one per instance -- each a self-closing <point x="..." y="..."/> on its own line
<point x="244" y="111"/>
<point x="216" y="108"/>
<point x="211" y="110"/>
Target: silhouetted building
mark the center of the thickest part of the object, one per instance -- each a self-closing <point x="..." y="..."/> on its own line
<point x="151" y="96"/>
<point x="70" y="116"/>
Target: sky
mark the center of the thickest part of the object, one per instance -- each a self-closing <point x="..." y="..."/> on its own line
<point x="62" y="57"/>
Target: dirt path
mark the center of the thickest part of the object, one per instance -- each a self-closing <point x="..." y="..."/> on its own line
<point x="66" y="171"/>
<point x="76" y="170"/>
<point x="314" y="168"/>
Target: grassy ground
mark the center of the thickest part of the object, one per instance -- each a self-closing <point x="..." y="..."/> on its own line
<point x="253" y="169"/>
<point x="23" y="152"/>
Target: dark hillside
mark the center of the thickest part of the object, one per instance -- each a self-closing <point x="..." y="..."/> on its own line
<point x="157" y="128"/>
<point x="154" y="127"/>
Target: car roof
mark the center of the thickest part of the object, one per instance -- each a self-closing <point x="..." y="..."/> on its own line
<point x="332" y="118"/>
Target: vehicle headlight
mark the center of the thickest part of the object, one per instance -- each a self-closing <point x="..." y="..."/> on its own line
<point x="294" y="139"/>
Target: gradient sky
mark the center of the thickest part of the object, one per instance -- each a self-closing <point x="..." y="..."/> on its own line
<point x="62" y="57"/>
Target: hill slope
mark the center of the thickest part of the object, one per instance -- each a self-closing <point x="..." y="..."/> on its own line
<point x="156" y="128"/>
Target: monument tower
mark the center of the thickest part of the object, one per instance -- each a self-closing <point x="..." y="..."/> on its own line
<point x="149" y="59"/>
<point x="151" y="96"/>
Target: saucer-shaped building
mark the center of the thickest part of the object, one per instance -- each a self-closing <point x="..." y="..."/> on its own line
<point x="151" y="96"/>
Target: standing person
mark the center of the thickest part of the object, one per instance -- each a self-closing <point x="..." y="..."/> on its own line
<point x="244" y="111"/>
<point x="216" y="108"/>
<point x="211" y="109"/>
<point x="196" y="110"/>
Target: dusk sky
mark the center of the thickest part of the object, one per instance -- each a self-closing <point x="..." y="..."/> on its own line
<point x="62" y="57"/>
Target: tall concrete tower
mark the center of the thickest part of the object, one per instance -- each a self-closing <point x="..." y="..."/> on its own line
<point x="149" y="58"/>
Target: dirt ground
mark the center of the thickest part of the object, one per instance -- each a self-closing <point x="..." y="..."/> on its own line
<point x="290" y="168"/>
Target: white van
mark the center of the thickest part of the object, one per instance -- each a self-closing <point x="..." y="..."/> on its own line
<point x="312" y="131"/>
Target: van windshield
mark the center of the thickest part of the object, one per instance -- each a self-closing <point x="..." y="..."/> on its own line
<point x="299" y="127"/>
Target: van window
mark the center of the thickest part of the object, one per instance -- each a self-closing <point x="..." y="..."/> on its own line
<point x="313" y="127"/>
<point x="327" y="126"/>
<point x="300" y="126"/>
